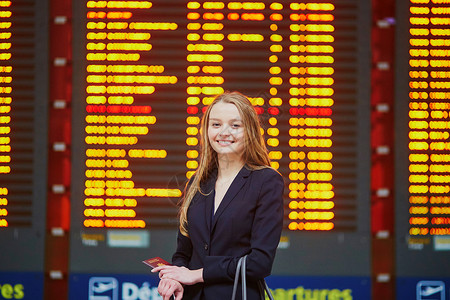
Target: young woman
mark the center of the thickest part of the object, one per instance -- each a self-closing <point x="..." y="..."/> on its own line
<point x="232" y="207"/>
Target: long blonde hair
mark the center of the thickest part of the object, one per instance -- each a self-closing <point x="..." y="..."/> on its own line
<point x="255" y="155"/>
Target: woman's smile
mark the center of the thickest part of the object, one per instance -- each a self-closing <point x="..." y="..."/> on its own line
<point x="225" y="142"/>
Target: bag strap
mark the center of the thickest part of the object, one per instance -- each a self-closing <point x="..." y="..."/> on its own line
<point x="263" y="289"/>
<point x="241" y="270"/>
<point x="236" y="278"/>
<point x="244" y="279"/>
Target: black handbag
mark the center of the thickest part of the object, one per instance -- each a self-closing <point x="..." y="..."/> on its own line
<point x="262" y="285"/>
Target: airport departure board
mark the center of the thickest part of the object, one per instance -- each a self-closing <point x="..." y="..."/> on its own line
<point x="429" y="107"/>
<point x="18" y="106"/>
<point x="16" y="119"/>
<point x="148" y="70"/>
<point x="5" y="108"/>
<point x="23" y="135"/>
<point x="144" y="72"/>
<point x="423" y="167"/>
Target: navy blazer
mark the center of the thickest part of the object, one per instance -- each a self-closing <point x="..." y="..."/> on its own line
<point x="249" y="221"/>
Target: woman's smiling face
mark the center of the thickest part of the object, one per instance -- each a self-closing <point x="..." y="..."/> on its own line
<point x="226" y="130"/>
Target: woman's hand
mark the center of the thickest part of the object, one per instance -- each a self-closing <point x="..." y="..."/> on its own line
<point x="180" y="274"/>
<point x="169" y="287"/>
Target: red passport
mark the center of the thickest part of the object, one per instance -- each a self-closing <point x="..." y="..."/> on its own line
<point x="156" y="262"/>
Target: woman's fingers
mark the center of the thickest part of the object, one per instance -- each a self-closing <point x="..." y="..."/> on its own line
<point x="181" y="274"/>
<point x="163" y="268"/>
<point x="164" y="289"/>
<point x="169" y="287"/>
<point x="178" y="296"/>
<point x="157" y="269"/>
<point x="169" y="272"/>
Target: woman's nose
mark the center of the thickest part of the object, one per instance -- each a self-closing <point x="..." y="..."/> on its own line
<point x="225" y="130"/>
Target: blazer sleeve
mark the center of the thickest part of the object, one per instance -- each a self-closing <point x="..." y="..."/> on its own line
<point x="265" y="236"/>
<point x="183" y="254"/>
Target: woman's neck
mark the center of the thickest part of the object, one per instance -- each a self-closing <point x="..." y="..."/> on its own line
<point x="229" y="167"/>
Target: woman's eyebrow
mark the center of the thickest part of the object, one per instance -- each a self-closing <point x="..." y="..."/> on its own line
<point x="232" y="120"/>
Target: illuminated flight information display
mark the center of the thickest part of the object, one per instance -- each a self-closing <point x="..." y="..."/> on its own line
<point x="149" y="69"/>
<point x="5" y="106"/>
<point x="423" y="201"/>
<point x="130" y="126"/>
<point x="18" y="106"/>
<point x="429" y="124"/>
<point x="282" y="55"/>
<point x="23" y="143"/>
<point x="145" y="71"/>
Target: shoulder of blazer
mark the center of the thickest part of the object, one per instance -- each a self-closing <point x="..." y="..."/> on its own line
<point x="266" y="172"/>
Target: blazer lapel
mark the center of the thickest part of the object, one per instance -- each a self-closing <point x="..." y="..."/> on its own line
<point x="233" y="190"/>
<point x="209" y="189"/>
